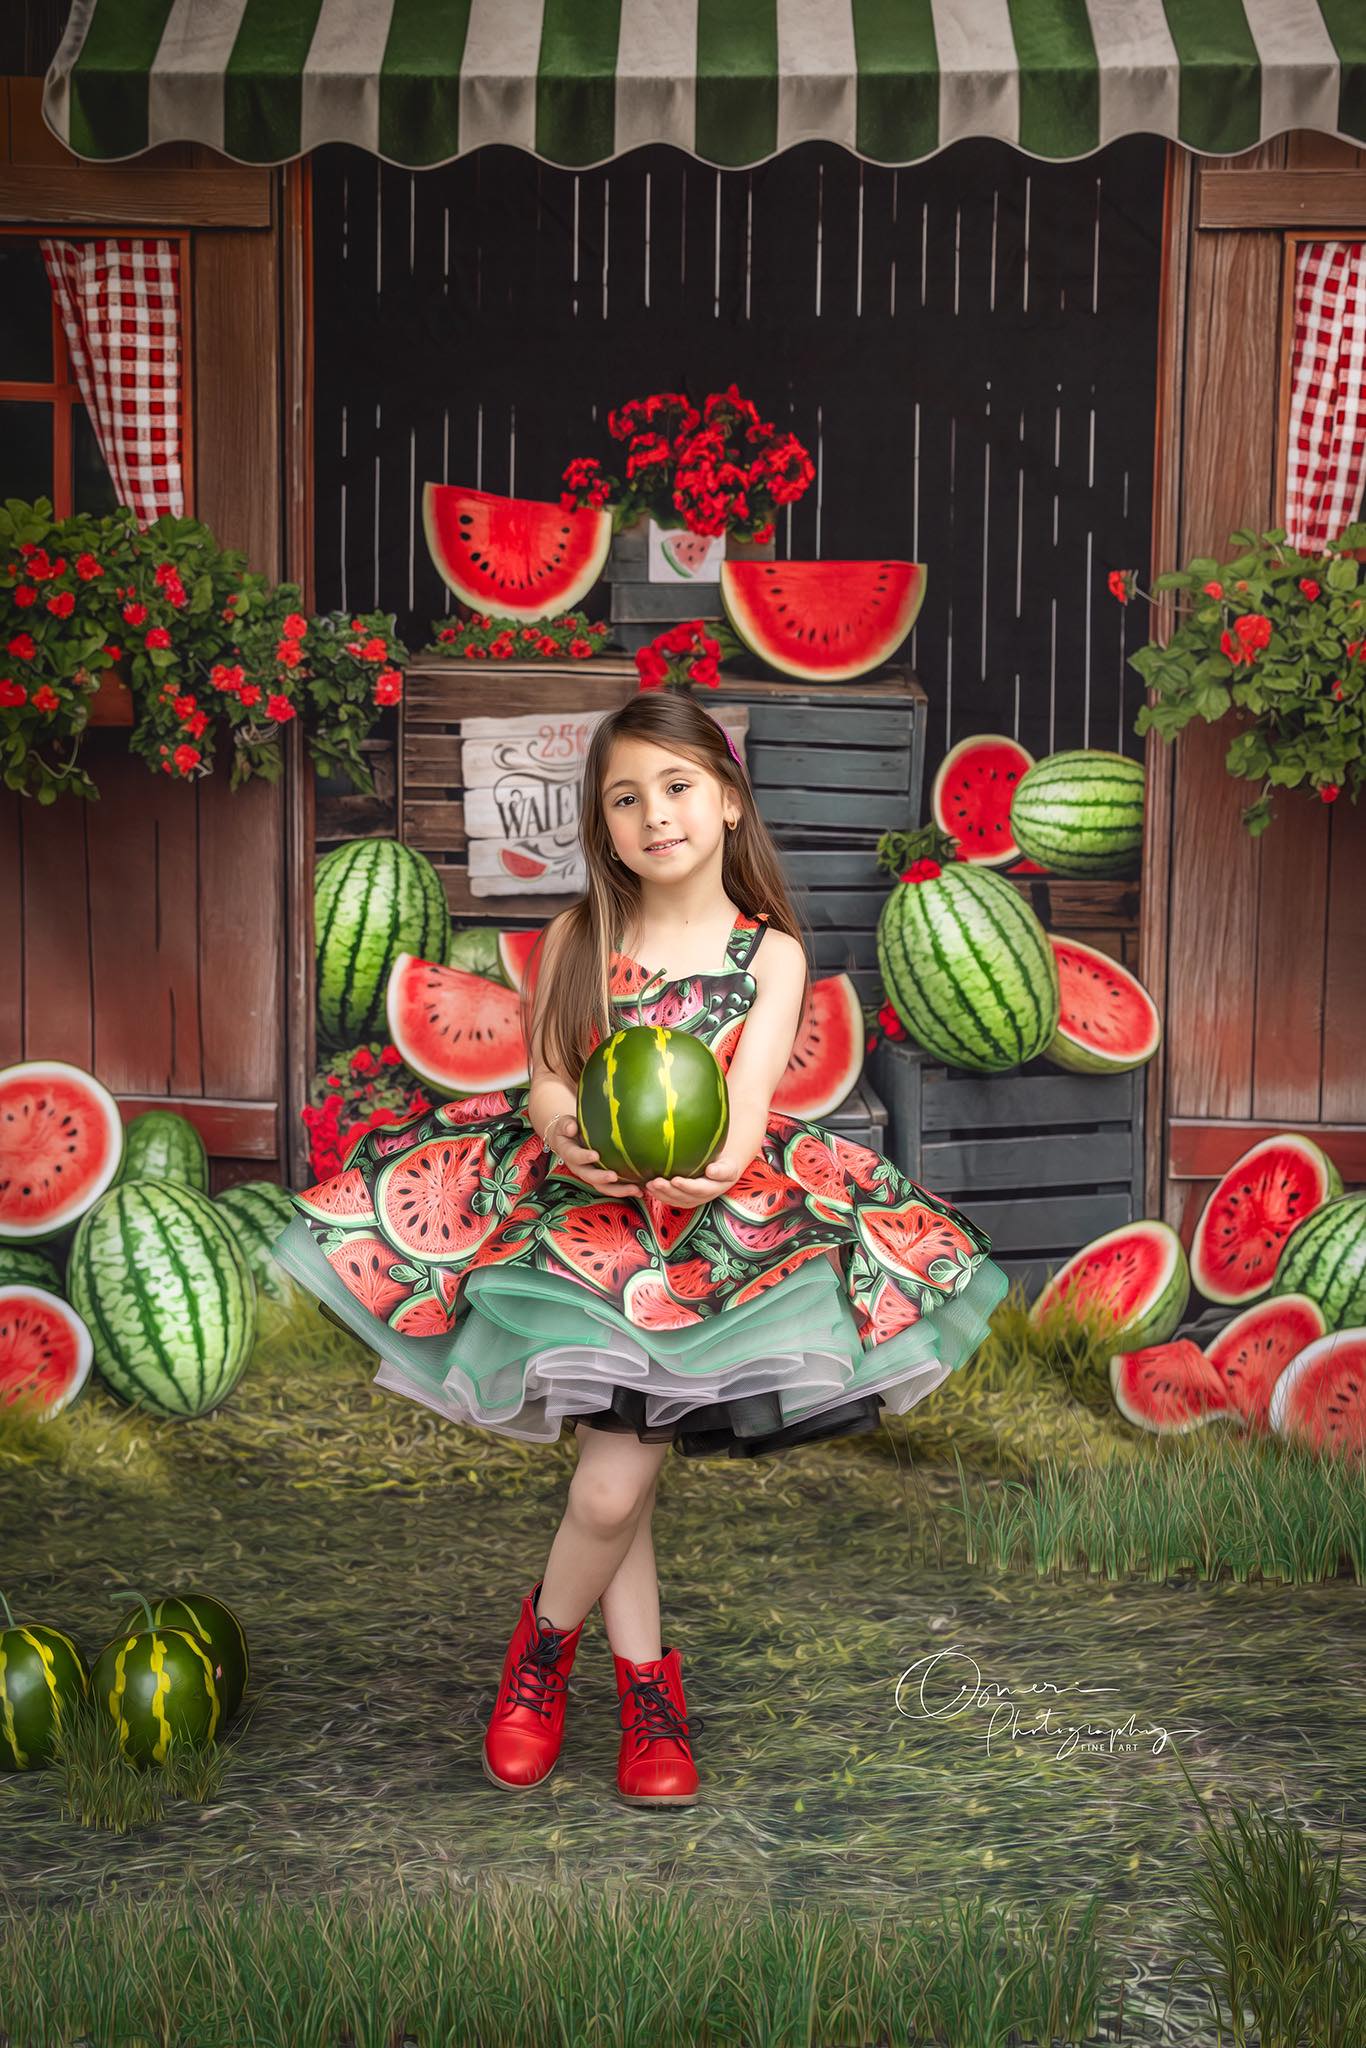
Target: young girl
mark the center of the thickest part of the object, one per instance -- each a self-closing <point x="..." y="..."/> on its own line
<point x="791" y="1292"/>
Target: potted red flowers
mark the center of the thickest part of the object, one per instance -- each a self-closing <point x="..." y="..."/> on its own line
<point x="691" y="476"/>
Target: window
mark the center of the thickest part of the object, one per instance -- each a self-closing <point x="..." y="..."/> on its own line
<point x="48" y="447"/>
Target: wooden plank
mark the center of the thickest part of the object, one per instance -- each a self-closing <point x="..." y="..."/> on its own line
<point x="231" y="1129"/>
<point x="113" y="196"/>
<point x="1287" y="1005"/>
<point x="237" y="394"/>
<point x="428" y="825"/>
<point x="1067" y="1221"/>
<point x="849" y="768"/>
<point x="142" y="909"/>
<point x="1020" y="1100"/>
<point x="1344" y="980"/>
<point x="1204" y="1148"/>
<point x="12" y="810"/>
<point x="1227" y="198"/>
<point x="1059" y="1159"/>
<point x="59" y="990"/>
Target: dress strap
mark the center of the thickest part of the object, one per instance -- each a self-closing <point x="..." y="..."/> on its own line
<point x="745" y="938"/>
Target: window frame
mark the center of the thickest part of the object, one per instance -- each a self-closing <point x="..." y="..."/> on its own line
<point x="63" y="392"/>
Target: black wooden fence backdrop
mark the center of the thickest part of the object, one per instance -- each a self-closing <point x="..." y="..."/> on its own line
<point x="968" y="348"/>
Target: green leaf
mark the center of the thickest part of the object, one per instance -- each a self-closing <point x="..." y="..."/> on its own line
<point x="1342" y="575"/>
<point x="1175" y="579"/>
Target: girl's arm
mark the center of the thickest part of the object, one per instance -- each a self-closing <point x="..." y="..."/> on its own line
<point x="765" y="1049"/>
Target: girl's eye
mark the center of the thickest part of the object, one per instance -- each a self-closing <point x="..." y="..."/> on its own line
<point x="630" y="799"/>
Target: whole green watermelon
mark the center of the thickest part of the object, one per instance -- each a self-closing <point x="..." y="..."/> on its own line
<point x="258" y="1211"/>
<point x="1080" y="812"/>
<point x="216" y="1629"/>
<point x="653" y="1101"/>
<point x="968" y="968"/>
<point x="156" y="1273"/>
<point x="42" y="1678"/>
<point x="163" y="1145"/>
<point x="20" y="1268"/>
<point x="157" y="1685"/>
<point x="373" y="899"/>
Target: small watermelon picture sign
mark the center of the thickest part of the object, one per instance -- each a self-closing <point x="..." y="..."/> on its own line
<point x="673" y="555"/>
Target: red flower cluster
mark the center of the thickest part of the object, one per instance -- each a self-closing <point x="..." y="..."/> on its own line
<point x="923" y="870"/>
<point x="686" y="653"/>
<point x="1251" y="633"/>
<point x="349" y="1109"/>
<point x="482" y="638"/>
<point x="723" y="468"/>
<point x="1119" y="584"/>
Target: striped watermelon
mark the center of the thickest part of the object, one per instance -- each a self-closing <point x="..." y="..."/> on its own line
<point x="214" y="1626"/>
<point x="20" y="1268"/>
<point x="968" y="967"/>
<point x="373" y="899"/>
<point x="158" y="1686"/>
<point x="258" y="1212"/>
<point x="653" y="1101"/>
<point x="42" y="1678"/>
<point x="163" y="1145"/>
<point x="1325" y="1258"/>
<point x="169" y="1299"/>
<point x="1081" y="812"/>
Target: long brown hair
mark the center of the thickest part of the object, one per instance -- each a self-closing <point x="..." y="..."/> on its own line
<point x="574" y="1002"/>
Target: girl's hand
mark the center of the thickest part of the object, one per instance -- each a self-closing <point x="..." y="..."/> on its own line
<point x="690" y="1191"/>
<point x="580" y="1161"/>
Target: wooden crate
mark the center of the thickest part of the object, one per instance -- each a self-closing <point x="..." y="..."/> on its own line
<point x="639" y="609"/>
<point x="1043" y="1160"/>
<point x="831" y="768"/>
<point x="861" y="1117"/>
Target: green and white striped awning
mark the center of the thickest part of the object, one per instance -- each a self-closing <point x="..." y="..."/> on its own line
<point x="577" y="82"/>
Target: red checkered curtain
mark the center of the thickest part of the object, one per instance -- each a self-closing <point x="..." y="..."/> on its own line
<point x="119" y="301"/>
<point x="1326" y="463"/>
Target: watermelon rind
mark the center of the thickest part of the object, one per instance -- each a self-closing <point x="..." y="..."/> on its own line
<point x="558" y="552"/>
<point x="1080" y="812"/>
<point x="258" y="1212"/>
<point x="39" y="1099"/>
<point x="214" y="1626"/>
<point x="761" y="599"/>
<point x="995" y="846"/>
<point x="1116" y="998"/>
<point x="373" y="899"/>
<point x="458" y="1032"/>
<point x="1251" y="1352"/>
<point x="1251" y="1217"/>
<point x="163" y="1145"/>
<point x="968" y="969"/>
<point x="21" y="1267"/>
<point x="1325" y="1258"/>
<point x="474" y="948"/>
<point x="1145" y="1322"/>
<point x="1170" y="1388"/>
<point x="156" y="1273"/>
<point x="1321" y="1396"/>
<point x="34" y="1321"/>
<point x="827" y="1054"/>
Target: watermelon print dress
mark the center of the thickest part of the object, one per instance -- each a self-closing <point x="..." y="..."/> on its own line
<point x="500" y="1290"/>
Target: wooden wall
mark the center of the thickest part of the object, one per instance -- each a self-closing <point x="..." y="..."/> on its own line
<point x="147" y="930"/>
<point x="1256" y="949"/>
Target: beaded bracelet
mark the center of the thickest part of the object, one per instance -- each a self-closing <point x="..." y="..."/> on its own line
<point x="559" y="1117"/>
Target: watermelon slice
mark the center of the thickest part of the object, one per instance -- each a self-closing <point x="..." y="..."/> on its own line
<point x="45" y="1349"/>
<point x="1244" y="1225"/>
<point x="518" y="558"/>
<point x="1320" y="1398"/>
<point x="519" y="959"/>
<point x="457" y="1031"/>
<point x="827" y="1057"/>
<point x="972" y="792"/>
<point x="823" y="620"/>
<point x="1252" y="1351"/>
<point x="687" y="553"/>
<point x="1170" y="1388"/>
<point x="61" y="1146"/>
<point x="1108" y="1022"/>
<point x="1137" y="1271"/>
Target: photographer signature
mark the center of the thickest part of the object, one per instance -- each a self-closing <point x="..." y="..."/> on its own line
<point x="947" y="1683"/>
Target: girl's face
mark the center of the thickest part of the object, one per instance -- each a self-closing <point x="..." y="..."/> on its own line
<point x="667" y="815"/>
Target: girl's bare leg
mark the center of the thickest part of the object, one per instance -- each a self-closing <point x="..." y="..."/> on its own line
<point x="612" y="1485"/>
<point x="630" y="1605"/>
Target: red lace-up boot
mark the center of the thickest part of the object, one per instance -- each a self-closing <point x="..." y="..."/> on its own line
<point x="654" y="1763"/>
<point x="526" y="1728"/>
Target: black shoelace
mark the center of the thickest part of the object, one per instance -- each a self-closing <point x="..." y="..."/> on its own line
<point x="535" y="1682"/>
<point x="659" y="1718"/>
